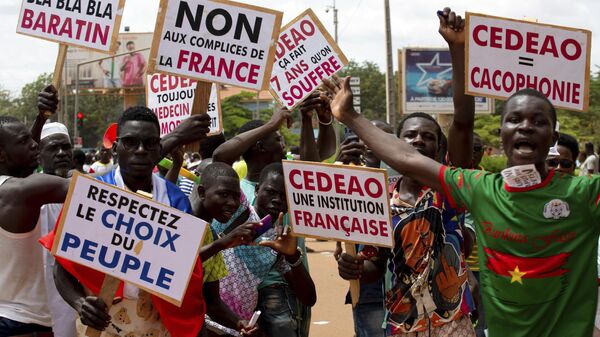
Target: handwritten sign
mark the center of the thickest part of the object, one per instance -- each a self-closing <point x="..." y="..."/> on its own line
<point x="172" y="97"/>
<point x="215" y="41"/>
<point x="505" y="55"/>
<point x="92" y="24"/>
<point x="129" y="237"/>
<point x="305" y="55"/>
<point x="338" y="202"/>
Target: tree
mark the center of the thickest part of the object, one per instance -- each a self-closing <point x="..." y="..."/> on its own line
<point x="7" y="104"/>
<point x="26" y="104"/>
<point x="372" y="87"/>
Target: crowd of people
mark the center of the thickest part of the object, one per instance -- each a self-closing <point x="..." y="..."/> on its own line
<point x="475" y="253"/>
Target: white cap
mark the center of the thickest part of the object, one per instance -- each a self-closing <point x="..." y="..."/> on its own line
<point x="54" y="128"/>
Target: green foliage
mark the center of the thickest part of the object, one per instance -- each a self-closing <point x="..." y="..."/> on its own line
<point x="7" y="104"/>
<point x="235" y="114"/>
<point x="372" y="87"/>
<point x="99" y="111"/>
<point x="25" y="106"/>
<point x="493" y="163"/>
<point x="488" y="127"/>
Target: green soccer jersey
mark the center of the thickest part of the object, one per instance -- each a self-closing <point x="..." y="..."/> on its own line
<point x="537" y="250"/>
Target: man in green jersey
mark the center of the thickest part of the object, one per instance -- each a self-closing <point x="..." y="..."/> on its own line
<point x="536" y="229"/>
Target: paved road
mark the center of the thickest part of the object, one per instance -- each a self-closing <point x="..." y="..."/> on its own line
<point x="330" y="316"/>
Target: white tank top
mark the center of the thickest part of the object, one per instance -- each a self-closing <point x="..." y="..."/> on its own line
<point x="22" y="291"/>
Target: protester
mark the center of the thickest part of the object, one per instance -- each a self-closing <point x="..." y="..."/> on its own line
<point x="535" y="278"/>
<point x="429" y="291"/>
<point x="23" y="301"/>
<point x="56" y="154"/>
<point x="218" y="198"/>
<point x="104" y="164"/>
<point x="138" y="149"/>
<point x="568" y="152"/>
<point x="281" y="314"/>
<point x="369" y="312"/>
<point x="590" y="165"/>
<point x="79" y="161"/>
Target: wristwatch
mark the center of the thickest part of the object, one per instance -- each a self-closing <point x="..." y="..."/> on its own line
<point x="299" y="261"/>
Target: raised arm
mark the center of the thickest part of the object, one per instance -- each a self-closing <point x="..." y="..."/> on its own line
<point x="460" y="135"/>
<point x="395" y="152"/>
<point x="230" y="151"/>
<point x="47" y="102"/>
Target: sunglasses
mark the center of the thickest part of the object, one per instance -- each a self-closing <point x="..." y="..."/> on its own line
<point x="131" y="143"/>
<point x="564" y="163"/>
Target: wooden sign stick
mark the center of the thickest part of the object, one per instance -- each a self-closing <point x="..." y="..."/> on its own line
<point x="58" y="70"/>
<point x="354" y="284"/>
<point x="107" y="295"/>
<point x="200" y="105"/>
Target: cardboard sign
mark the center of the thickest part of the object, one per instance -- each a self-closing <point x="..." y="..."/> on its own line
<point x="92" y="24"/>
<point x="504" y="56"/>
<point x="305" y="55"/>
<point x="215" y="41"/>
<point x="172" y="97"/>
<point x="339" y="202"/>
<point x="129" y="237"/>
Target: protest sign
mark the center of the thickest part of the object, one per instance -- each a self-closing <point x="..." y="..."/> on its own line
<point x="427" y="82"/>
<point x="338" y="202"/>
<point x="215" y="41"/>
<point x="305" y="55"/>
<point x="172" y="97"/>
<point x="129" y="237"/>
<point x="505" y="55"/>
<point x="92" y="24"/>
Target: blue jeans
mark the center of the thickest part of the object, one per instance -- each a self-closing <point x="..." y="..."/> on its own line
<point x="368" y="319"/>
<point x="9" y="327"/>
<point x="278" y="312"/>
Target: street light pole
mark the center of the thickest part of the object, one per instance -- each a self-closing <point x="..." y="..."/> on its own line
<point x="335" y="19"/>
<point x="390" y="87"/>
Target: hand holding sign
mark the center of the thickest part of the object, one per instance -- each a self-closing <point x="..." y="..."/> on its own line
<point x="280" y="117"/>
<point x="350" y="267"/>
<point x="93" y="312"/>
<point x="48" y="100"/>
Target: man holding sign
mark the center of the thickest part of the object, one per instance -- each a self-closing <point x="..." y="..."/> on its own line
<point x="429" y="290"/>
<point x="138" y="148"/>
<point x="537" y="229"/>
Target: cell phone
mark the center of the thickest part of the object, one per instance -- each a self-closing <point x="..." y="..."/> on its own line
<point x="348" y="133"/>
<point x="266" y="224"/>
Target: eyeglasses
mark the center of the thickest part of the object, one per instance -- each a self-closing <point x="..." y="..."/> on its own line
<point x="131" y="143"/>
<point x="564" y="163"/>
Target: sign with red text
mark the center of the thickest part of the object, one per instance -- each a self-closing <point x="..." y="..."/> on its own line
<point x="92" y="24"/>
<point x="338" y="202"/>
<point x="505" y="55"/>
<point x="305" y="55"/>
<point x="216" y="41"/>
<point x="172" y="97"/>
<point x="130" y="237"/>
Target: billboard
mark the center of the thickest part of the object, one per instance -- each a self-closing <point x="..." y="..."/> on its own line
<point x="427" y="82"/>
<point x="126" y="71"/>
